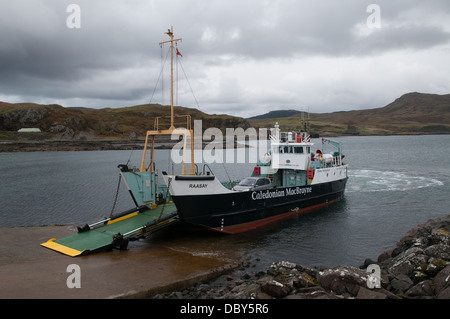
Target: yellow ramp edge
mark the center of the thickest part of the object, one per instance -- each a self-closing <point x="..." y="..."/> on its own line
<point x="121" y="218"/>
<point x="61" y="248"/>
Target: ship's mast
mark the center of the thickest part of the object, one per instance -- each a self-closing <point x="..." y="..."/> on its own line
<point x="172" y="41"/>
<point x="158" y="130"/>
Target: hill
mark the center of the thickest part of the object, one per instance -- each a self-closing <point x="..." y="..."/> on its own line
<point x="412" y="113"/>
<point x="276" y="114"/>
<point x="56" y="121"/>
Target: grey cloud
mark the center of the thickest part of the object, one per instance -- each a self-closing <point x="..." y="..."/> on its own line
<point x="410" y="37"/>
<point x="304" y="28"/>
<point x="115" y="55"/>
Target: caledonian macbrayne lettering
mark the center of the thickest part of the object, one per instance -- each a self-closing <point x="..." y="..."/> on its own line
<point x="281" y="193"/>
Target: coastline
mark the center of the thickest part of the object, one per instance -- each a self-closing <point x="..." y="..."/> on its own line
<point x="64" y="145"/>
<point x="418" y="267"/>
<point x="69" y="145"/>
<point x="35" y="272"/>
<point x="86" y="145"/>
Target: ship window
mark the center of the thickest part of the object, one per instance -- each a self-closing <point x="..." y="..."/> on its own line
<point x="298" y="150"/>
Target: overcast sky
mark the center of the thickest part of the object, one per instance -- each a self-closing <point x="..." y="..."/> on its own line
<point x="242" y="57"/>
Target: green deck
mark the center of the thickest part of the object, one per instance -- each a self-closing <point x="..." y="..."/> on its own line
<point x="129" y="226"/>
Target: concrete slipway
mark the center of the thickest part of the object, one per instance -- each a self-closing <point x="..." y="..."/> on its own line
<point x="31" y="271"/>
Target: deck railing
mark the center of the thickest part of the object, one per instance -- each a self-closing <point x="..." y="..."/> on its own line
<point x="179" y="121"/>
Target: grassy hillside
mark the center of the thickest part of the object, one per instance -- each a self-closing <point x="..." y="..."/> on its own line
<point x="276" y="114"/>
<point x="413" y="113"/>
<point x="123" y="122"/>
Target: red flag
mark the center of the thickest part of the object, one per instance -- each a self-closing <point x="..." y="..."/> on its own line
<point x="178" y="52"/>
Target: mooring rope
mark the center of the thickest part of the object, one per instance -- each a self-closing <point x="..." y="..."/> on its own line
<point x="117" y="195"/>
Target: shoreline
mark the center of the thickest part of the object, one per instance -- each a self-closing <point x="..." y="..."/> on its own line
<point x="64" y="145"/>
<point x="88" y="145"/>
<point x="146" y="269"/>
<point x="69" y="145"/>
<point x="418" y="267"/>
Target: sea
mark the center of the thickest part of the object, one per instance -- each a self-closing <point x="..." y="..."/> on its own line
<point x="395" y="183"/>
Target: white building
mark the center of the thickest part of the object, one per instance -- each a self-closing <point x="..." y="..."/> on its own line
<point x="29" y="130"/>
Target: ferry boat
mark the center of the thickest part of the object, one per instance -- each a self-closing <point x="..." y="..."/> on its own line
<point x="290" y="179"/>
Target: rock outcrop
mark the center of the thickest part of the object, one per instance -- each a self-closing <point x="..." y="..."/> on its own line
<point x="417" y="268"/>
<point x="19" y="118"/>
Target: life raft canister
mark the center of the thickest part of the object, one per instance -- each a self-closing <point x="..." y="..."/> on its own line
<point x="310" y="173"/>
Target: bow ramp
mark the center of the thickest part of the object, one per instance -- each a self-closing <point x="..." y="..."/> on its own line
<point x="117" y="231"/>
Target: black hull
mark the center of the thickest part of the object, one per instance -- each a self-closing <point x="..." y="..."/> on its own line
<point x="240" y="211"/>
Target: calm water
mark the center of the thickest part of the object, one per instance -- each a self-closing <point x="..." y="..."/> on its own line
<point x="395" y="184"/>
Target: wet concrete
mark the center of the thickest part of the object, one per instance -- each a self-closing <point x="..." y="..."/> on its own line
<point x="32" y="271"/>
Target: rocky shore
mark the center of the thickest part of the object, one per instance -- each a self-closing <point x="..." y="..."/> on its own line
<point x="69" y="145"/>
<point x="418" y="267"/>
<point x="88" y="145"/>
